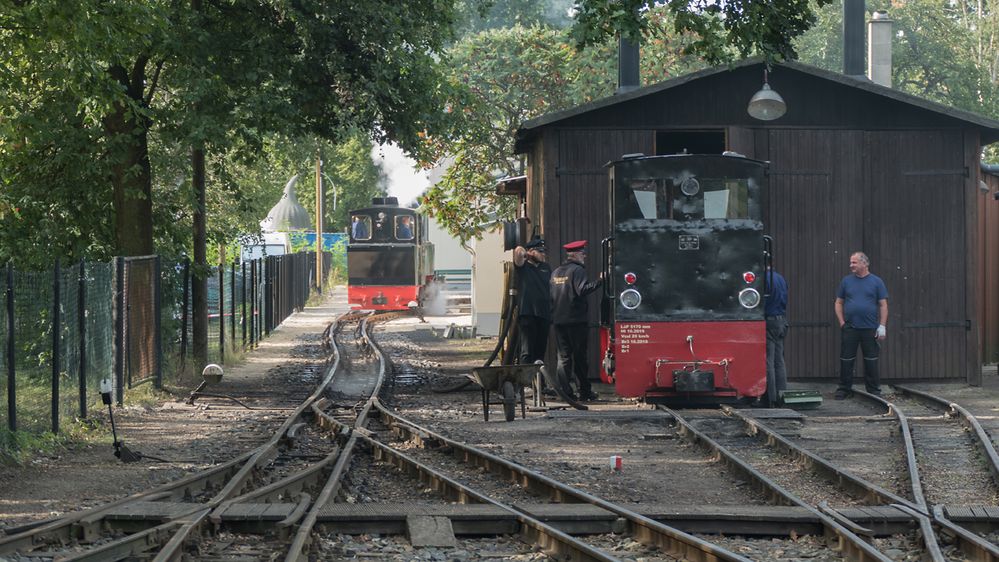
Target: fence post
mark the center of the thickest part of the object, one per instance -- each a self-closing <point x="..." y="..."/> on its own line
<point x="81" y="319"/>
<point x="11" y="356"/>
<point x="222" y="313"/>
<point x="119" y="329"/>
<point x="185" y="301"/>
<point x="253" y="302"/>
<point x="158" y="321"/>
<point x="56" y="330"/>
<point x="242" y="266"/>
<point x="232" y="305"/>
<point x="268" y="294"/>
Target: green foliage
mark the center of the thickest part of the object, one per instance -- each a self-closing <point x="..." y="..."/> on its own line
<point x="943" y="52"/>
<point x="96" y="96"/>
<point x="721" y="31"/>
<point x="474" y="16"/>
<point x="513" y="75"/>
<point x="17" y="447"/>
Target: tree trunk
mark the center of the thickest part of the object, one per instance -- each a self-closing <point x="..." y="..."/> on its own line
<point x="131" y="175"/>
<point x="199" y="281"/>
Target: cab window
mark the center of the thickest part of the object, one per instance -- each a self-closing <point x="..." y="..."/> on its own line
<point x="360" y="227"/>
<point x="687" y="199"/>
<point x="404" y="227"/>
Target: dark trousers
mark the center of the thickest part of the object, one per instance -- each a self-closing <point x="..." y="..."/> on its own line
<point x="571" y="341"/>
<point x="869" y="346"/>
<point x="533" y="338"/>
<point x="776" y="370"/>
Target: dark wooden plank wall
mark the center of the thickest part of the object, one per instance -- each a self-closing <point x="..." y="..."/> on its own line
<point x="988" y="267"/>
<point x="914" y="231"/>
<point x="576" y="200"/>
<point x="973" y="282"/>
<point x="901" y="196"/>
<point x="814" y="213"/>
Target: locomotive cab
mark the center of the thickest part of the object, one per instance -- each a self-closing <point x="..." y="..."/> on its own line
<point x="683" y="314"/>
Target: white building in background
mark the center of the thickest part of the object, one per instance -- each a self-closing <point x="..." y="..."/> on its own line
<point x="487" y="281"/>
<point x="449" y="255"/>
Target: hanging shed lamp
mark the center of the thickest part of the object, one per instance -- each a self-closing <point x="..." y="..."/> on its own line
<point x="766" y="104"/>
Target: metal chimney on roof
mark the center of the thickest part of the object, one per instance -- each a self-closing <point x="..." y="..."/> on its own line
<point x="853" y="38"/>
<point x="627" y="66"/>
<point x="879" y="49"/>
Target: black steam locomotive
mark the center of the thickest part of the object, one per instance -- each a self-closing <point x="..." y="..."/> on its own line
<point x="685" y="270"/>
<point x="390" y="261"/>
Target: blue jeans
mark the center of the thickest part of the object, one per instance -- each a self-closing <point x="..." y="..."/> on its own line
<point x="776" y="370"/>
<point x="867" y="339"/>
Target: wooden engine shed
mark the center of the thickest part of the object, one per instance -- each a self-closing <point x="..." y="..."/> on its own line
<point x="853" y="166"/>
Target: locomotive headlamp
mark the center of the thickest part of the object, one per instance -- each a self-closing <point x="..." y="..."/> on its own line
<point x="749" y="277"/>
<point x="630" y="299"/>
<point x="630" y="278"/>
<point x="749" y="298"/>
<point x="690" y="187"/>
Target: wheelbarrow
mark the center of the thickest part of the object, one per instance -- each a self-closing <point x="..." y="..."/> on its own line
<point x="508" y="381"/>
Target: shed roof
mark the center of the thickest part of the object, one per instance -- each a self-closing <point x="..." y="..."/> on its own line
<point x="989" y="128"/>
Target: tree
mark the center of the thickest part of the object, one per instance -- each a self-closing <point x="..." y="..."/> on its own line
<point x="938" y="50"/>
<point x="722" y="30"/>
<point x="207" y="73"/>
<point x="474" y="16"/>
<point x="512" y="75"/>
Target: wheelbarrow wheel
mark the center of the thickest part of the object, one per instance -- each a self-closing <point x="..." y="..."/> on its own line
<point x="509" y="401"/>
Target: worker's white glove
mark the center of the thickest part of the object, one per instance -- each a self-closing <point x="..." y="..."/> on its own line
<point x="882" y="332"/>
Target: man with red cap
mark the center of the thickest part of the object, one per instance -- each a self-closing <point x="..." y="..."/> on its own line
<point x="570" y="314"/>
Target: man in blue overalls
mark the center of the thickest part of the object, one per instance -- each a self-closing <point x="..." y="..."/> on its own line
<point x="775" y="311"/>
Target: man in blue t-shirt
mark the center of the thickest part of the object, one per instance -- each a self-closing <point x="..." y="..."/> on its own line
<point x="862" y="311"/>
<point x="775" y="310"/>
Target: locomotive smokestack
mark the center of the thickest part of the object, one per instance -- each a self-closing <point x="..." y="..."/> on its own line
<point x="627" y="66"/>
<point x="853" y="37"/>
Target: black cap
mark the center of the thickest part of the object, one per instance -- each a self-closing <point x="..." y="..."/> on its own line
<point x="536" y="242"/>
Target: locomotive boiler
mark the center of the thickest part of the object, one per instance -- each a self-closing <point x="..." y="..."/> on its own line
<point x="683" y="320"/>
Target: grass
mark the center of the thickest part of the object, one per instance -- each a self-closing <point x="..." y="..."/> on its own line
<point x="34" y="436"/>
<point x="19" y="447"/>
<point x="34" y="396"/>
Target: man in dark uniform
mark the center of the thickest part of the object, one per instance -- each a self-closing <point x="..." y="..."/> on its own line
<point x="570" y="314"/>
<point x="533" y="302"/>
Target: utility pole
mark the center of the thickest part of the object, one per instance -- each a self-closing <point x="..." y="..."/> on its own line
<point x="319" y="220"/>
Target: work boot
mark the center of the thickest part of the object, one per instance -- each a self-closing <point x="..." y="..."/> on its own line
<point x="588" y="395"/>
<point x="843" y="394"/>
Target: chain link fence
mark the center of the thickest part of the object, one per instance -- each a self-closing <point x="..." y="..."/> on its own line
<point x="65" y="330"/>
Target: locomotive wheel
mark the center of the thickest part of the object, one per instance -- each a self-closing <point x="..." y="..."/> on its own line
<point x="509" y="401"/>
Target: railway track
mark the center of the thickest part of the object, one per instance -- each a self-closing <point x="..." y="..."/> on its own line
<point x="344" y="465"/>
<point x="929" y="442"/>
<point x="284" y="488"/>
<point x="165" y="523"/>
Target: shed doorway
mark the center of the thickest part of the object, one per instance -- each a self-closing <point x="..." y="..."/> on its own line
<point x="690" y="142"/>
